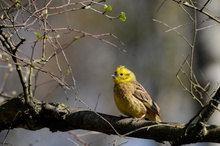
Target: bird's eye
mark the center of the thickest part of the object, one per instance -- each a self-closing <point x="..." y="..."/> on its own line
<point x="121" y="74"/>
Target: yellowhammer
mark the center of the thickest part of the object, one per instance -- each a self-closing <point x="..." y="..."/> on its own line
<point x="131" y="98"/>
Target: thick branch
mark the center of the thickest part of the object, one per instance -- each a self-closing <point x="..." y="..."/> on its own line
<point x="214" y="102"/>
<point x="199" y="130"/>
<point x="58" y="117"/>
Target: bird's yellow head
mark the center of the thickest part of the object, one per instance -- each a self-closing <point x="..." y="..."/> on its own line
<point x="122" y="74"/>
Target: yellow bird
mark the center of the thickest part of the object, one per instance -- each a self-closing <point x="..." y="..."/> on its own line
<point x="131" y="98"/>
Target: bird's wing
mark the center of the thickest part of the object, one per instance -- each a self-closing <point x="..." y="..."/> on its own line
<point x="141" y="94"/>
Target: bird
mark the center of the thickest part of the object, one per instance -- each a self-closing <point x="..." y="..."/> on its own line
<point x="131" y="98"/>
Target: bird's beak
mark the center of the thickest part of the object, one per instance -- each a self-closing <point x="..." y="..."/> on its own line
<point x="113" y="75"/>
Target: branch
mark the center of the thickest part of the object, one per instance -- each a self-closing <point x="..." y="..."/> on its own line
<point x="214" y="102"/>
<point x="58" y="117"/>
<point x="199" y="130"/>
<point x="187" y="4"/>
<point x="12" y="49"/>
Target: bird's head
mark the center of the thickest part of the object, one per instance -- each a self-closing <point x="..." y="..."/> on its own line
<point x="122" y="74"/>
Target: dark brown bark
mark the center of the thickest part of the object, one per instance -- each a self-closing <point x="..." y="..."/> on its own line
<point x="57" y="117"/>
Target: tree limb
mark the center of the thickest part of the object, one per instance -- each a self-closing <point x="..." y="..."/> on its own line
<point x="58" y="117"/>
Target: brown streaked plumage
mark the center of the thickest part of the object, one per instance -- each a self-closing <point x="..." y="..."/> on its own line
<point x="131" y="98"/>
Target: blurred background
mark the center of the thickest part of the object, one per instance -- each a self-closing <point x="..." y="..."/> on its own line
<point x="154" y="55"/>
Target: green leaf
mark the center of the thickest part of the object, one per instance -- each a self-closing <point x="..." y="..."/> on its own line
<point x="122" y="16"/>
<point x="38" y="35"/>
<point x="107" y="8"/>
<point x="17" y="3"/>
<point x="41" y="37"/>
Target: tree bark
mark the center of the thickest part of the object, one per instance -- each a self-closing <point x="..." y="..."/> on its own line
<point x="58" y="117"/>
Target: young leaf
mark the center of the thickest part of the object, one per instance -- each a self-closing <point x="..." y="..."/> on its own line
<point x="122" y="16"/>
<point x="107" y="8"/>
